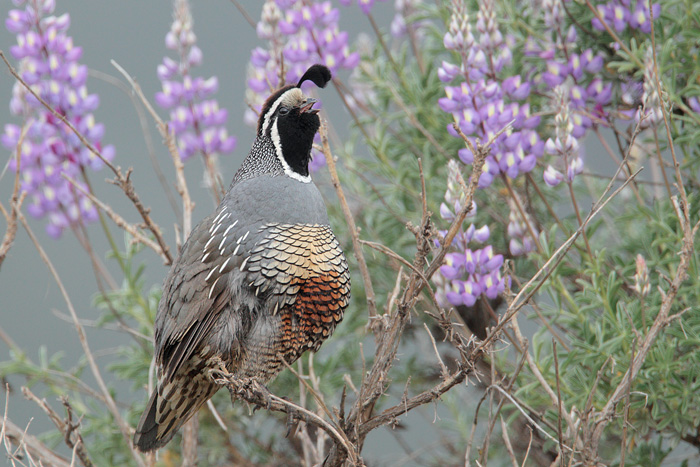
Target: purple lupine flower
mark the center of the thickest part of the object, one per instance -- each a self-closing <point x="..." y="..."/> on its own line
<point x="299" y="33"/>
<point x="694" y="104"/>
<point x="553" y="13"/>
<point x="640" y="17"/>
<point x="565" y="63"/>
<point x="556" y="73"/>
<point x="618" y="14"/>
<point x="486" y="98"/>
<point x="195" y="117"/>
<point x="49" y="63"/>
<point x="467" y="272"/>
<point x="552" y="176"/>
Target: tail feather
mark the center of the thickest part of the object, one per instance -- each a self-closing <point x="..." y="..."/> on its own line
<point x="146" y="437"/>
<point x="167" y="411"/>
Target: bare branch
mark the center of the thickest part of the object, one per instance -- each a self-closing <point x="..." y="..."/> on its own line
<point x="71" y="435"/>
<point x="527" y="416"/>
<point x="253" y="392"/>
<point x="389" y="415"/>
<point x="119" y="220"/>
<point x="526" y="293"/>
<point x="661" y="321"/>
<point x="12" y="435"/>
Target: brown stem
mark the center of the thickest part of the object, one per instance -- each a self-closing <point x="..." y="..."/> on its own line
<point x="15" y="204"/>
<point x="521" y="212"/>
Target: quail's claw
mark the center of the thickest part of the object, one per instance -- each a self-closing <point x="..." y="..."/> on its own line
<point x="264" y="394"/>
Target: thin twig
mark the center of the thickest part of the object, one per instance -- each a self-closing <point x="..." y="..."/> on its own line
<point x="150" y="148"/>
<point x="443" y="369"/>
<point x="560" y="434"/>
<point x="662" y="319"/>
<point x="15" y="203"/>
<point x="626" y="412"/>
<point x="11" y="434"/>
<point x="615" y="159"/>
<point x="69" y="430"/>
<point x="610" y="31"/>
<point x="539" y="376"/>
<point x="664" y="111"/>
<point x="546" y="270"/>
<point x="411" y="115"/>
<point x="526" y="415"/>
<point x="244" y="13"/>
<point x="506" y="441"/>
<point x="390" y="414"/>
<point x="392" y="254"/>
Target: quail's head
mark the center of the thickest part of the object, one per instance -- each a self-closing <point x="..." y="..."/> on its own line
<point x="290" y="120"/>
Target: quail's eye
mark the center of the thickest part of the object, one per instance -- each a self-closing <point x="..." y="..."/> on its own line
<point x="284" y="110"/>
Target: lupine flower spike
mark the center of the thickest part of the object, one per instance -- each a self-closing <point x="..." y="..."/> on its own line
<point x="486" y="97"/>
<point x="195" y="117"/>
<point x="50" y="64"/>
<point x="564" y="146"/>
<point x="467" y="273"/>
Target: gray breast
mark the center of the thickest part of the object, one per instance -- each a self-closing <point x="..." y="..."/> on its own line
<point x="277" y="199"/>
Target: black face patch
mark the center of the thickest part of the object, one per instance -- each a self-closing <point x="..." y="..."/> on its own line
<point x="296" y="133"/>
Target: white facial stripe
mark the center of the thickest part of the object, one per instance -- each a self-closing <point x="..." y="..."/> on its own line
<point x="275" y="135"/>
<point x="290" y="98"/>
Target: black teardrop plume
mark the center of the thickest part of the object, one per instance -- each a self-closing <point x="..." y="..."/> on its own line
<point x="319" y="74"/>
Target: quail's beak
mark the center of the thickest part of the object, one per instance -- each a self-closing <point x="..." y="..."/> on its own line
<point x="307" y="106"/>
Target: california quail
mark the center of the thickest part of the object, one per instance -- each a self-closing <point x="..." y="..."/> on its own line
<point x="258" y="282"/>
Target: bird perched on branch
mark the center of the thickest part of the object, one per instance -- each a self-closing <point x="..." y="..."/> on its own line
<point x="258" y="282"/>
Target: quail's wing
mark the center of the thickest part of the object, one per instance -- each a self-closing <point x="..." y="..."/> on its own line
<point x="195" y="291"/>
